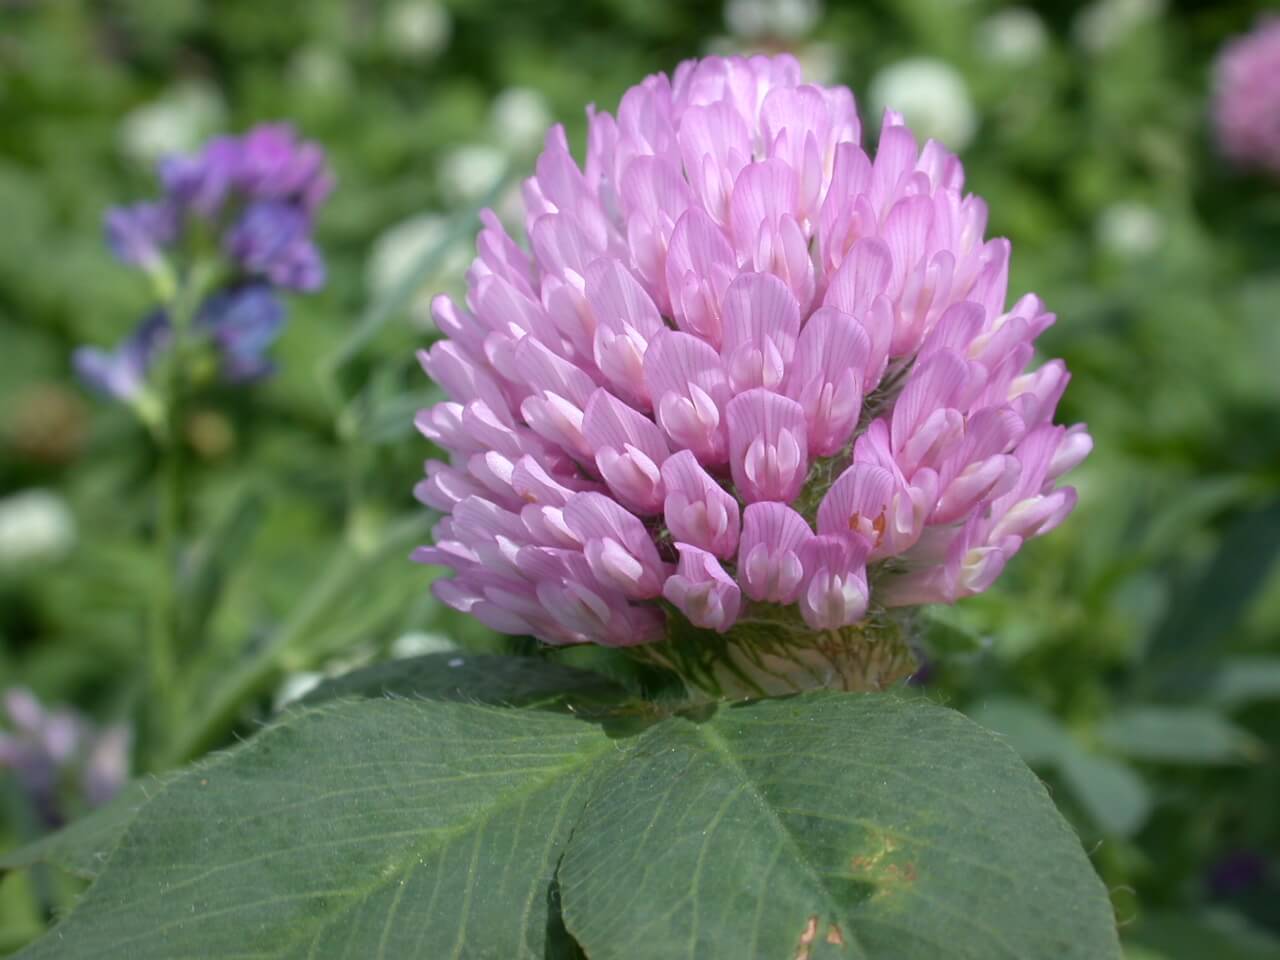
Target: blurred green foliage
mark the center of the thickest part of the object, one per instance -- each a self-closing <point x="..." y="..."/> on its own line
<point x="1133" y="656"/>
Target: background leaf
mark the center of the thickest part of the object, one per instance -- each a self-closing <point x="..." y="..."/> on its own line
<point x="1243" y="680"/>
<point x="1113" y="794"/>
<point x="1029" y="729"/>
<point x="1176" y="735"/>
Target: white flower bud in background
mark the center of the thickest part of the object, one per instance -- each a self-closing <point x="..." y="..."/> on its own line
<point x="294" y="687"/>
<point x="107" y="765"/>
<point x="820" y="62"/>
<point x="780" y="19"/>
<point x="931" y="95"/>
<point x="1105" y="23"/>
<point x="177" y="122"/>
<point x="417" y="29"/>
<point x="1129" y="230"/>
<point x="1012" y="37"/>
<point x="419" y="643"/>
<point x="321" y="73"/>
<point x="36" y="528"/>
<point x="519" y="118"/>
<point x="469" y="171"/>
<point x="401" y="248"/>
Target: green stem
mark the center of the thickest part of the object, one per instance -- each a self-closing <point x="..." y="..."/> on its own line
<point x="163" y="695"/>
<point x="255" y="675"/>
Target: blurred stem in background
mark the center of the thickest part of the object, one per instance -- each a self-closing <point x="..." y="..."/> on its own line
<point x="358" y="552"/>
<point x="163" y="704"/>
<point x="347" y="566"/>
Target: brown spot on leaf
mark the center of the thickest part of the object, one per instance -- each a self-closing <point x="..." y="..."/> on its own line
<point x="807" y="937"/>
<point x="881" y="867"/>
<point x="834" y="935"/>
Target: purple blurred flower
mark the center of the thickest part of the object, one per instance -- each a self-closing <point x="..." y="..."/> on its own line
<point x="274" y="164"/>
<point x="122" y="373"/>
<point x="59" y="759"/>
<point x="258" y="194"/>
<point x="923" y="675"/>
<point x="260" y="190"/>
<point x="243" y="323"/>
<point x="138" y="235"/>
<point x="1246" y="110"/>
<point x="1236" y="873"/>
<point x="272" y="239"/>
<point x="202" y="182"/>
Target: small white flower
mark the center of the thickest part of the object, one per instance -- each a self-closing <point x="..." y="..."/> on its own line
<point x="783" y="19"/>
<point x="401" y="249"/>
<point x="1104" y="23"/>
<point x="1014" y="36"/>
<point x="320" y="72"/>
<point x="1129" y="229"/>
<point x="398" y="249"/>
<point x="932" y="96"/>
<point x="519" y="118"/>
<point x="296" y="686"/>
<point x="820" y="62"/>
<point x="469" y="171"/>
<point x="418" y="643"/>
<point x="178" y="122"/>
<point x="418" y="28"/>
<point x="36" y="527"/>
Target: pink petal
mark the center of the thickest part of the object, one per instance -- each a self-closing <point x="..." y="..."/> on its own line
<point x="698" y="511"/>
<point x="617" y="546"/>
<point x="834" y="592"/>
<point x="763" y="193"/>
<point x="715" y="145"/>
<point x="626" y="320"/>
<point x="768" y="450"/>
<point x="702" y="591"/>
<point x="863" y="275"/>
<point x="462" y="379"/>
<point x="826" y="378"/>
<point x="941" y="381"/>
<point x="857" y="504"/>
<point x="444" y="487"/>
<point x="629" y="451"/>
<point x="761" y="324"/>
<point x="769" y="556"/>
<point x="700" y="265"/>
<point x="689" y="391"/>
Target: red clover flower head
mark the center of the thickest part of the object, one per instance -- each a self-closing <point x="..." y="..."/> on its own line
<point x="752" y="393"/>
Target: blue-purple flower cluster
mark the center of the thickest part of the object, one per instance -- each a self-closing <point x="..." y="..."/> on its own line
<point x="253" y="198"/>
<point x="61" y="762"/>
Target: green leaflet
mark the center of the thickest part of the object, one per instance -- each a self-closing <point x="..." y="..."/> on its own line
<point x="376" y="828"/>
<point x="828" y="825"/>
